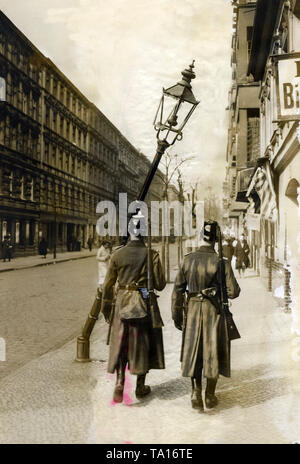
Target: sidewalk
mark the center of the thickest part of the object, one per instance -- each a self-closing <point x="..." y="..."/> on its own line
<point x="37" y="260"/>
<point x="56" y="400"/>
<point x="27" y="262"/>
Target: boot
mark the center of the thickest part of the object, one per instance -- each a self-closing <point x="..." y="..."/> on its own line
<point x="210" y="398"/>
<point x="141" y="389"/>
<point x="120" y="382"/>
<point x="196" y="397"/>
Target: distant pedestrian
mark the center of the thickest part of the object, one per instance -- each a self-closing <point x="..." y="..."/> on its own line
<point x="90" y="243"/>
<point x="7" y="247"/>
<point x="43" y="247"/>
<point x="241" y="252"/>
<point x="228" y="249"/>
<point x="103" y="257"/>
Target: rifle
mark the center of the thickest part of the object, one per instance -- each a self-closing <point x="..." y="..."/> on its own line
<point x="232" y="330"/>
<point x="112" y="314"/>
<point x="157" y="322"/>
<point x="111" y="320"/>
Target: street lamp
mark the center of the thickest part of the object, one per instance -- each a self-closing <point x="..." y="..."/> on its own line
<point x="174" y="110"/>
<point x="170" y="119"/>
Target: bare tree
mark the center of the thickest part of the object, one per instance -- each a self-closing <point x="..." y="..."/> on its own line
<point x="171" y="165"/>
<point x="212" y="208"/>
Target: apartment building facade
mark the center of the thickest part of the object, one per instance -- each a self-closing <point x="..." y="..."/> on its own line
<point x="60" y="155"/>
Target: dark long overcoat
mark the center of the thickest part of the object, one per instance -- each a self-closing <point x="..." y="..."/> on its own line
<point x="128" y="264"/>
<point x="204" y="333"/>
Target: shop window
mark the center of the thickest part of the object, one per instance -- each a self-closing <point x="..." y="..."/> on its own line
<point x="17" y="235"/>
<point x="4" y="228"/>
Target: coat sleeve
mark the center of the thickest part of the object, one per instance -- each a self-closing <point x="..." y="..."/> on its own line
<point x="233" y="288"/>
<point x="108" y="288"/>
<point x="159" y="280"/>
<point x="178" y="296"/>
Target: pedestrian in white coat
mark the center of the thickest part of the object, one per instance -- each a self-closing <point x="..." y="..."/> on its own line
<point x="103" y="257"/>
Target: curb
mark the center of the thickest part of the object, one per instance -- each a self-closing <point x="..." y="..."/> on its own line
<point x="59" y="260"/>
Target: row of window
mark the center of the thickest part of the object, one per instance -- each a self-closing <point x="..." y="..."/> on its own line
<point x="65" y="96"/>
<point x="24" y="187"/>
<point x="58" y="196"/>
<point x="14" y="53"/>
<point x="98" y="149"/>
<point x="15" y="93"/>
<point x="17" y="185"/>
<point x="103" y="127"/>
<point x="57" y="123"/>
<point x="14" y="136"/>
<point x="69" y="163"/>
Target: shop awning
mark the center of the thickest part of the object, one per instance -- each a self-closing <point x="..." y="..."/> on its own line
<point x="262" y="183"/>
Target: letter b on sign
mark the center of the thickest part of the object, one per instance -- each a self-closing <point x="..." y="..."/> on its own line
<point x="288" y="95"/>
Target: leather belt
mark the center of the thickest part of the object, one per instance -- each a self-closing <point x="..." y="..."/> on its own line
<point x="196" y="295"/>
<point x="205" y="293"/>
<point x="132" y="286"/>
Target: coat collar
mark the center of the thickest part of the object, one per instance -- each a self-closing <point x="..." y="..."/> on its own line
<point x="208" y="249"/>
<point x="135" y="243"/>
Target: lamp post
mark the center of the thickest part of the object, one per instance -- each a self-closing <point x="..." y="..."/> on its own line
<point x="175" y="108"/>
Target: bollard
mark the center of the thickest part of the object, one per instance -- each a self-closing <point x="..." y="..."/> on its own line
<point x="83" y="350"/>
<point x="83" y="341"/>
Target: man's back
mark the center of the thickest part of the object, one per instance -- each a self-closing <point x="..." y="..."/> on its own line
<point x="199" y="271"/>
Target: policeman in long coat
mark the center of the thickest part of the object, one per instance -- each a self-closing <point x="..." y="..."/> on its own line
<point x="204" y="347"/>
<point x="133" y="339"/>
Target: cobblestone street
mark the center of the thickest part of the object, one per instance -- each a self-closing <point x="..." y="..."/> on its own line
<point x="46" y="397"/>
<point x="43" y="307"/>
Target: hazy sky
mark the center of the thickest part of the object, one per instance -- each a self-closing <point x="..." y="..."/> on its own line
<point x="120" y="53"/>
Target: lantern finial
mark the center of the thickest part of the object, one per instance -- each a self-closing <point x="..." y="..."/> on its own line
<point x="188" y="75"/>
